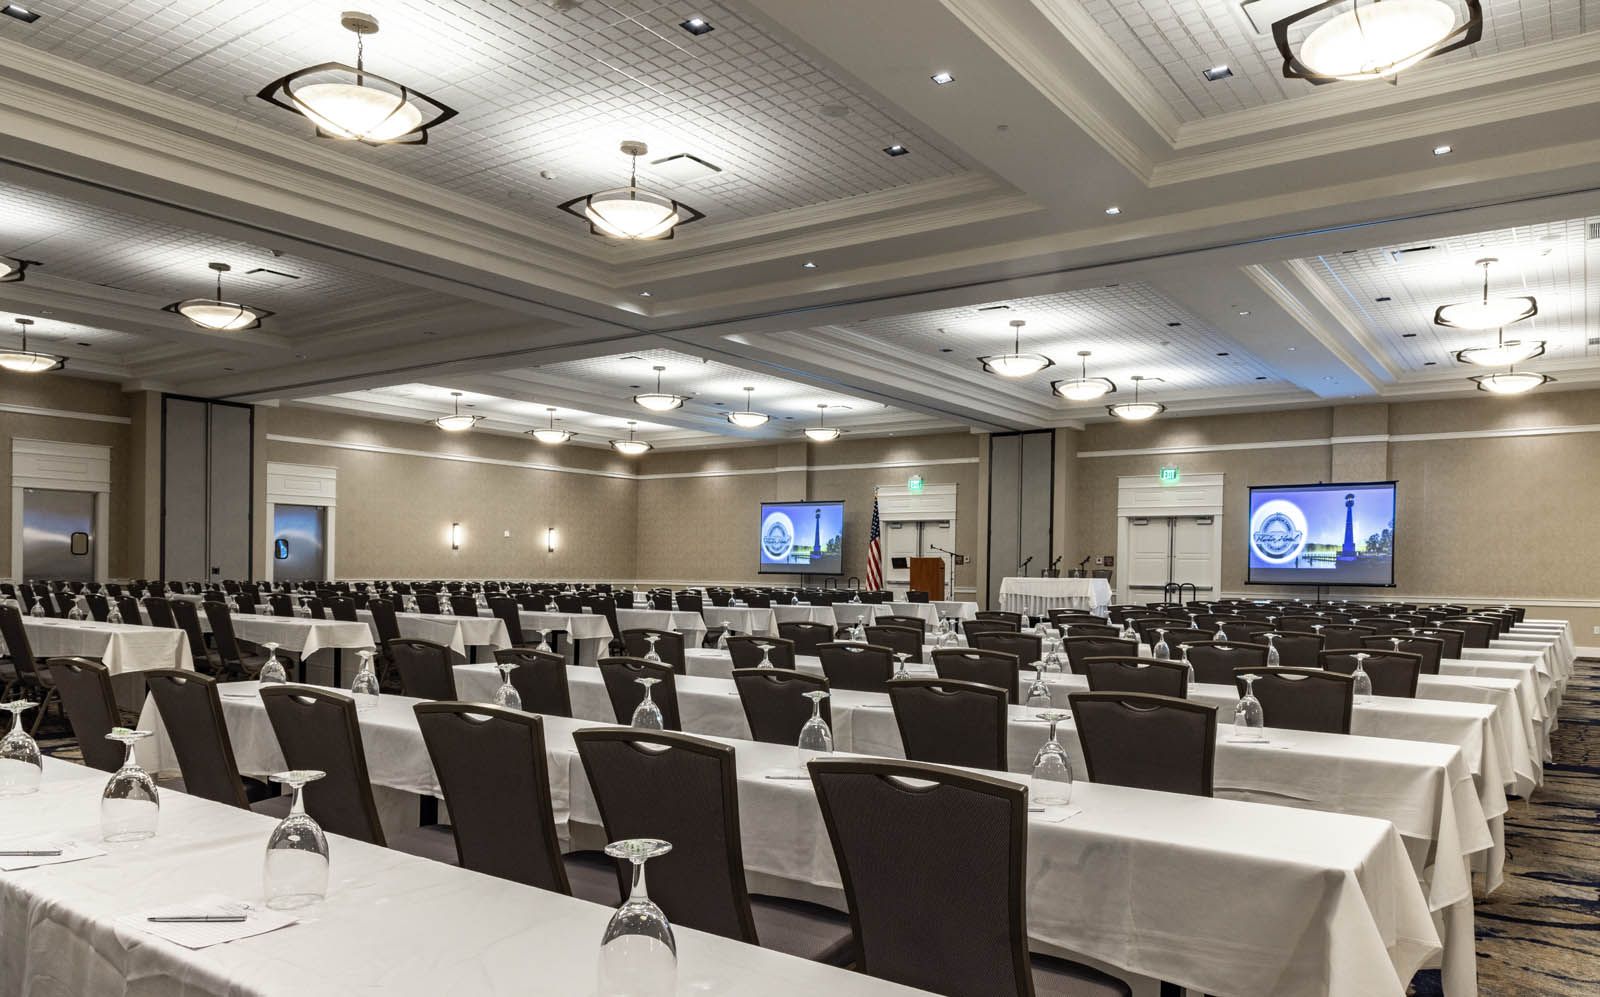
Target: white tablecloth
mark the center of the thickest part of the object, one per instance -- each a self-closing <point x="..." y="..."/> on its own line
<point x="931" y="611"/>
<point x="121" y="647"/>
<point x="687" y="622"/>
<point x="587" y="633"/>
<point x="300" y="635"/>
<point x="1037" y="596"/>
<point x="1346" y="917"/>
<point x="393" y="924"/>
<point x="458" y="633"/>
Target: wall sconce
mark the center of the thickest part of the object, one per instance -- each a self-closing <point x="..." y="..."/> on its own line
<point x="455" y="536"/>
<point x="551" y="536"/>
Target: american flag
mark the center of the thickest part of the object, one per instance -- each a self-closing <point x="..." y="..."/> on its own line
<point x="874" y="552"/>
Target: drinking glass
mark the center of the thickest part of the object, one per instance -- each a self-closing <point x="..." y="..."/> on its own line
<point x="1128" y="632"/>
<point x="858" y="633"/>
<point x="722" y="638"/>
<point x="651" y="654"/>
<point x="1221" y="633"/>
<point x="544" y="643"/>
<point x="273" y="670"/>
<point x="75" y="614"/>
<point x="1183" y="655"/>
<point x="20" y="763"/>
<point x="1038" y="697"/>
<point x="1274" y="659"/>
<point x="296" y="870"/>
<point x="1363" y="681"/>
<point x="1161" y="651"/>
<point x="1396" y="642"/>
<point x="507" y="695"/>
<point x="815" y="735"/>
<point x="766" y="660"/>
<point x="364" y="690"/>
<point x="130" y="805"/>
<point x="1052" y="767"/>
<point x="38" y="608"/>
<point x="900" y="669"/>
<point x="444" y="607"/>
<point x="113" y="614"/>
<point x="638" y="953"/>
<point x="647" y="715"/>
<point x="1249" y="721"/>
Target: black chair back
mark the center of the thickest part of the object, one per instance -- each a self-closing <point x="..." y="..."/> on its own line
<point x="426" y="669"/>
<point x="186" y="615"/>
<point x="464" y="605"/>
<point x="384" y="619"/>
<point x="1429" y="649"/>
<point x="99" y="607"/>
<point x="974" y="627"/>
<point x="427" y="602"/>
<point x="1453" y="640"/>
<point x="1297" y="649"/>
<point x="949" y="722"/>
<point x="317" y="729"/>
<point x="901" y="640"/>
<point x="91" y="707"/>
<point x="1080" y="649"/>
<point x="746" y="651"/>
<point x="999" y="614"/>
<point x="1393" y="673"/>
<point x="128" y="609"/>
<point x="191" y="711"/>
<point x="996" y="668"/>
<point x="540" y="679"/>
<point x="342" y="607"/>
<point x="668" y="645"/>
<point x="1476" y="633"/>
<point x="862" y="667"/>
<point x="282" y="604"/>
<point x="619" y="675"/>
<point x="1343" y="636"/>
<point x="1148" y="742"/>
<point x="806" y="636"/>
<point x="1027" y="647"/>
<point x="158" y="611"/>
<point x="775" y="703"/>
<point x="1302" y="698"/>
<point x="1147" y="676"/>
<point x="222" y="636"/>
<point x="1215" y="660"/>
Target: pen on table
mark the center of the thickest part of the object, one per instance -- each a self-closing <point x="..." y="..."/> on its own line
<point x="36" y="853"/>
<point x="200" y="919"/>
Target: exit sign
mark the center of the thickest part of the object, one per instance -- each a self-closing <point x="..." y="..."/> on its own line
<point x="1169" y="475"/>
<point x="914" y="484"/>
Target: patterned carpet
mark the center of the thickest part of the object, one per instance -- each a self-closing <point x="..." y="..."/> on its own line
<point x="1539" y="935"/>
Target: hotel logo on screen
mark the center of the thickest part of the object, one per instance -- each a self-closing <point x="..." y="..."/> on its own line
<point x="1278" y="531"/>
<point x="777" y="536"/>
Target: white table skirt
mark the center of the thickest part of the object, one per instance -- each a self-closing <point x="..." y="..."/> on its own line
<point x="931" y="611"/>
<point x="1160" y="861"/>
<point x="393" y="924"/>
<point x="587" y="633"/>
<point x="458" y="633"/>
<point x="692" y="625"/>
<point x="121" y="647"/>
<point x="1037" y="596"/>
<point x="300" y="635"/>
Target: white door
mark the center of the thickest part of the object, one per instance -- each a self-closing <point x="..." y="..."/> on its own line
<point x="1194" y="554"/>
<point x="1149" y="554"/>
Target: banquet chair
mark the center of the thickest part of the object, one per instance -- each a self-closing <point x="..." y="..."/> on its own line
<point x="91" y="708"/>
<point x="540" y="679"/>
<point x="1120" y="611"/>
<point x="1146" y="742"/>
<point x="242" y="603"/>
<point x="500" y="813"/>
<point x="901" y="640"/>
<point x="191" y="710"/>
<point x="1429" y="649"/>
<point x="1080" y="649"/>
<point x="916" y="623"/>
<point x="1181" y="635"/>
<point x="99" y="608"/>
<point x="999" y="614"/>
<point x="128" y="609"/>
<point x="917" y="596"/>
<point x="1304" y="622"/>
<point x="1393" y="673"/>
<point x="281" y="603"/>
<point x="315" y="609"/>
<point x="758" y="600"/>
<point x="568" y="603"/>
<point x="428" y="602"/>
<point x="1100" y="629"/>
<point x="426" y="669"/>
<point x="625" y="694"/>
<point x="805" y="635"/>
<point x="1247" y="631"/>
<point x="1142" y="675"/>
<point x="974" y="627"/>
<point x="1146" y="628"/>
<point x="1453" y="641"/>
<point x="465" y="605"/>
<point x="231" y="656"/>
<point x="508" y="613"/>
<point x="669" y="645"/>
<point x="950" y="722"/>
<point x="660" y="601"/>
<point x="1297" y="649"/>
<point x="683" y="789"/>
<point x="1341" y="636"/>
<point x="387" y="625"/>
<point x="186" y="617"/>
<point x="1302" y="698"/>
<point x="691" y="602"/>
<point x="1477" y="633"/>
<point x="745" y="650"/>
<point x="343" y="608"/>
<point x="157" y="611"/>
<point x="1215" y="660"/>
<point x="991" y="667"/>
<point x="775" y="703"/>
<point x="66" y="602"/>
<point x="1027" y="647"/>
<point x="1073" y="617"/>
<point x="977" y="945"/>
<point x="860" y="667"/>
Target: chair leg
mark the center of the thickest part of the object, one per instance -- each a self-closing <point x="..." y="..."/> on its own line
<point x="44" y="704"/>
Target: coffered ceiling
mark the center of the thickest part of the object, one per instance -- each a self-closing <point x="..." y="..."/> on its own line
<point x="1261" y="215"/>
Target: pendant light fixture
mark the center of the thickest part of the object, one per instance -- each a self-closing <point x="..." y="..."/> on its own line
<point x="821" y="432"/>
<point x="216" y="314"/>
<point x="13" y="270"/>
<point x="1489" y="313"/>
<point x="631" y="212"/>
<point x="658" y="400"/>
<point x="1512" y="382"/>
<point x="456" y="422"/>
<point x="1503" y="354"/>
<point x="631" y="447"/>
<point x="748" y="419"/>
<point x="1137" y="411"/>
<point x="1016" y="363"/>
<point x="26" y="361"/>
<point x="351" y="104"/>
<point x="551" y="434"/>
<point x="1084" y="388"/>
<point x="1373" y="39"/>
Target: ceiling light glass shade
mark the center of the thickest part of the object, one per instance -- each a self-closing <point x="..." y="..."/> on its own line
<point x="748" y="420"/>
<point x="1503" y="354"/>
<point x="1136" y="411"/>
<point x="1084" y="389"/>
<point x="1016" y="364"/>
<point x="1511" y="382"/>
<point x="551" y="436"/>
<point x="218" y="316"/>
<point x="1374" y="39"/>
<point x="456" y="423"/>
<point x="13" y="270"/>
<point x="632" y="213"/>
<point x="658" y="401"/>
<point x="30" y="361"/>
<point x="631" y="447"/>
<point x="822" y="434"/>
<point x="1494" y="313"/>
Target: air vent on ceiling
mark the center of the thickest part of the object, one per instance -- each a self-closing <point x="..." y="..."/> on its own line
<point x="1410" y="253"/>
<point x="266" y="275"/>
<point x="683" y="169"/>
<point x="1260" y="14"/>
<point x="995" y="308"/>
<point x="1594" y="230"/>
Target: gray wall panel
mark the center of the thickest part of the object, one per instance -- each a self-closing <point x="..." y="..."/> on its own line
<point x="228" y="516"/>
<point x="183" y="478"/>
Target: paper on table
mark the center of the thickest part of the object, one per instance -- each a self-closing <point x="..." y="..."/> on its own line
<point x="71" y="851"/>
<point x="1055" y="815"/>
<point x="199" y="935"/>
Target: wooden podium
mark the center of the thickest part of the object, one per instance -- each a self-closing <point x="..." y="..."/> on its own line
<point x="927" y="575"/>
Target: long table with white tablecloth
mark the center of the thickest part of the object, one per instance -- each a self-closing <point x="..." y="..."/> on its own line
<point x="1038" y="596"/>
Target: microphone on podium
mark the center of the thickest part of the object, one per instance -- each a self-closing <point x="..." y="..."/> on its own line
<point x="1025" y="563"/>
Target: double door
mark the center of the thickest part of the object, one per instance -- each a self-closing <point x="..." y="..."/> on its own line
<point x="1168" y="550"/>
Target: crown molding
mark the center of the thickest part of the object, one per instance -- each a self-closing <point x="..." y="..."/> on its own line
<point x="1340" y="310"/>
<point x="1284" y="298"/>
<point x="1091" y="41"/>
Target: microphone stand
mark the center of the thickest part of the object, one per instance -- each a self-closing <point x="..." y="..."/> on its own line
<point x="952" y="554"/>
<point x="1024" y="566"/>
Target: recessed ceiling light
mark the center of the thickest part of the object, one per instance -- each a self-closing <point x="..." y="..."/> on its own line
<point x="809" y="264"/>
<point x="1430" y="363"/>
<point x="1245" y="312"/>
<point x="1383" y="299"/>
<point x="1291" y="349"/>
<point x="644" y="294"/>
<point x="942" y="78"/>
<point x="896" y="150"/>
<point x="1408" y="335"/>
<point x="19" y="12"/>
<point x="1113" y="210"/>
<point x="1442" y="150"/>
<point x="697" y="26"/>
<point x="946" y="349"/>
<point x="1173" y="325"/>
<point x="1216" y="73"/>
<point x="1261" y="377"/>
<point x="1222" y="354"/>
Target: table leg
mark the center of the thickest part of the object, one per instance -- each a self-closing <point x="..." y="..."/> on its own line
<point x="338" y="664"/>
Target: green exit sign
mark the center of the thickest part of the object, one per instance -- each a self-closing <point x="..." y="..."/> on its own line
<point x="914" y="484"/>
<point x="1169" y="475"/>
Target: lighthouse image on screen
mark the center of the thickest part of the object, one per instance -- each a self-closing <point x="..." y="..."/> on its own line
<point x="804" y="538"/>
<point x="1339" y="534"/>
